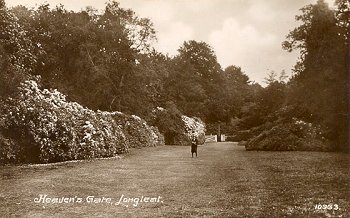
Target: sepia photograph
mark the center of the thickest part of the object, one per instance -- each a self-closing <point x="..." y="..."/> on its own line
<point x="174" y="108"/>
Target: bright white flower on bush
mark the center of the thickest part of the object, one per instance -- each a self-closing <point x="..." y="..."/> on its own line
<point x="158" y="109"/>
<point x="136" y="117"/>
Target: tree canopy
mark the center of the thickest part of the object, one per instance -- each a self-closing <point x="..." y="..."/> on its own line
<point x="106" y="61"/>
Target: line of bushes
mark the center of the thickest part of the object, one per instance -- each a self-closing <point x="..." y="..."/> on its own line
<point x="40" y="126"/>
<point x="137" y="132"/>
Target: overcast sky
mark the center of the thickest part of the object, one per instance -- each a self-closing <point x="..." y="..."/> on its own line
<point x="246" y="33"/>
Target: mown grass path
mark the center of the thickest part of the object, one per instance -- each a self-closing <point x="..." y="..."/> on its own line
<point x="224" y="181"/>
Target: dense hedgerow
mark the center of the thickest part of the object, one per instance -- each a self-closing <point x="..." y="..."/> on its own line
<point x="137" y="132"/>
<point x="293" y="135"/>
<point x="42" y="126"/>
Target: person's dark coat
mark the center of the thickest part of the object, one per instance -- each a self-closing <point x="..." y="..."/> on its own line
<point x="194" y="145"/>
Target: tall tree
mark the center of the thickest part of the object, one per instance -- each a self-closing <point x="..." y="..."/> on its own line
<point x="17" y="59"/>
<point x="88" y="55"/>
<point x="237" y="89"/>
<point x="202" y="57"/>
<point x="320" y="80"/>
<point x="198" y="79"/>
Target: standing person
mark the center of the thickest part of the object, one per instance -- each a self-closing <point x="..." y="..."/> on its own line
<point x="194" y="144"/>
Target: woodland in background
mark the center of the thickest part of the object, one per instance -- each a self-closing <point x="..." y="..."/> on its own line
<point x="105" y="61"/>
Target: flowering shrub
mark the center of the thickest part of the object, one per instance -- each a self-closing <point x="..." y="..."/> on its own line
<point x="289" y="136"/>
<point x="194" y="128"/>
<point x="157" y="136"/>
<point x="48" y="128"/>
<point x="176" y="128"/>
<point x="137" y="132"/>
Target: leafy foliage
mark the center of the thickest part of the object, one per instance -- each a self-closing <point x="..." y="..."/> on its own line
<point x="16" y="52"/>
<point x="137" y="132"/>
<point x="194" y="128"/>
<point x="289" y="136"/>
<point x="321" y="80"/>
<point x="48" y="128"/>
<point x="177" y="128"/>
<point x="89" y="56"/>
<point x="318" y="91"/>
<point x="105" y="61"/>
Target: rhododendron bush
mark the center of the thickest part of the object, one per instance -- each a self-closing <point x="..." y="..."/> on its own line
<point x="178" y="129"/>
<point x="195" y="128"/>
<point x="48" y="128"/>
<point x="290" y="135"/>
<point x="137" y="132"/>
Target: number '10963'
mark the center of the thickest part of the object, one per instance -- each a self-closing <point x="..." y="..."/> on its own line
<point x="326" y="207"/>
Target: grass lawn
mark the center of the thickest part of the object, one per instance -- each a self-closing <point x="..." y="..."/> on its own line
<point x="224" y="181"/>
